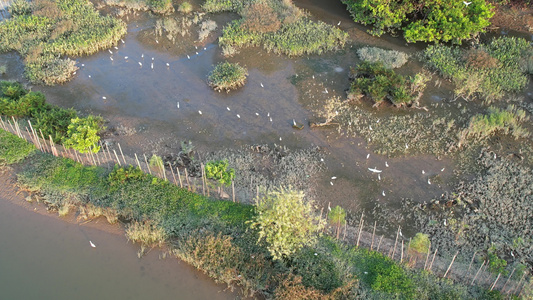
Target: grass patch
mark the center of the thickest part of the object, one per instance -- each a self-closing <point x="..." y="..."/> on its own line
<point x="279" y="26"/>
<point x="48" y="31"/>
<point x="227" y="76"/>
<point x="488" y="71"/>
<point x="13" y="149"/>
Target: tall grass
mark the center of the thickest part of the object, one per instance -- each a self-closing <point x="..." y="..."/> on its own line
<point x="53" y="30"/>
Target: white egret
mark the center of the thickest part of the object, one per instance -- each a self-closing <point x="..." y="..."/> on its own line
<point x="92" y="244"/>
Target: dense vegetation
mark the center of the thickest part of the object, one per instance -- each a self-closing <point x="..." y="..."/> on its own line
<point x="44" y="32"/>
<point x="63" y="125"/>
<point x="227" y="76"/>
<point x="214" y="237"/>
<point x="488" y="70"/>
<point x="424" y="20"/>
<point x="278" y="25"/>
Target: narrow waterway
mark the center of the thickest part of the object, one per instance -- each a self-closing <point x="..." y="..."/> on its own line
<point x="46" y="258"/>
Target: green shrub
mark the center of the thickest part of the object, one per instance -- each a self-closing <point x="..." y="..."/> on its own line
<point x="337" y="217"/>
<point x="317" y="271"/>
<point x="185" y="7"/>
<point x="121" y="175"/>
<point x="380" y="84"/>
<point x="219" y="171"/>
<point x="28" y="105"/>
<point x="423" y="20"/>
<point x="54" y="122"/>
<point x="216" y="6"/>
<point x="19" y="8"/>
<point x="227" y="76"/>
<point x="13" y="149"/>
<point x="285" y="222"/>
<point x="420" y="243"/>
<point x="82" y="134"/>
<point x="161" y="6"/>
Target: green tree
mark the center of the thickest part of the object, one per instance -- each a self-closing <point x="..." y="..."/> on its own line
<point x="82" y="134"/>
<point x="285" y="221"/>
<point x="337" y="217"/>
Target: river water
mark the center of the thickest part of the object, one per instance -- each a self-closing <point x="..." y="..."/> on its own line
<point x="47" y="258"/>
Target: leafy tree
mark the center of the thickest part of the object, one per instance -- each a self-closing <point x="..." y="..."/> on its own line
<point x="423" y="20"/>
<point x="285" y="222"/>
<point x="82" y="134"/>
<point x="337" y="217"/>
<point x="219" y="171"/>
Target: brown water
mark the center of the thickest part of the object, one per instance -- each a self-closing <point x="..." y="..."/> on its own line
<point x="47" y="258"/>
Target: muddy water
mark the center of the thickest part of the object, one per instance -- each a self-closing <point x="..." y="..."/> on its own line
<point x="47" y="258"/>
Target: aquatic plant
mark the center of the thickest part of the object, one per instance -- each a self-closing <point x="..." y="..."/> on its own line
<point x="227" y="76"/>
<point x="56" y="29"/>
<point x="423" y="20"/>
<point x="285" y="222"/>
<point x="147" y="233"/>
<point x="391" y="59"/>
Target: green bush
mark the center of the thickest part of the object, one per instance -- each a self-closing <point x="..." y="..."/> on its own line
<point x="285" y="222"/>
<point x="19" y="8"/>
<point x="318" y="271"/>
<point x="13" y="149"/>
<point x="82" y="134"/>
<point x="54" y="122"/>
<point x="161" y="6"/>
<point x="219" y="171"/>
<point x="185" y="7"/>
<point x="420" y="243"/>
<point x="496" y="265"/>
<point x="423" y="20"/>
<point x="227" y="76"/>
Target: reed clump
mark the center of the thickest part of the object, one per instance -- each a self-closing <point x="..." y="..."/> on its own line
<point x="53" y="30"/>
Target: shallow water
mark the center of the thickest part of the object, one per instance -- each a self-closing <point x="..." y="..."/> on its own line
<point x="47" y="258"/>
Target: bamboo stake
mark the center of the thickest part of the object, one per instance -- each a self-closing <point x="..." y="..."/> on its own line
<point x="121" y="153"/>
<point x="139" y="164"/>
<point x="345" y="225"/>
<point x="471" y="261"/>
<point x="110" y="157"/>
<point x="203" y="179"/>
<point x="373" y="233"/>
<point x="77" y="159"/>
<point x="179" y="177"/>
<point x="379" y="244"/>
<point x="360" y="228"/>
<point x="17" y="127"/>
<point x="52" y="146"/>
<point x="187" y="179"/>
<point x="450" y="266"/>
<point x="171" y="170"/>
<point x="477" y="273"/>
<point x="492" y="287"/>
<point x="147" y="165"/>
<point x="432" y="260"/>
<point x="97" y="158"/>
<point x="503" y="288"/>
<point x="401" y="255"/>
<point x="3" y="124"/>
<point x="163" y="169"/>
<point x="519" y="283"/>
<point x="117" y="157"/>
<point x="233" y="190"/>
<point x="427" y="256"/>
<point x="44" y="140"/>
<point x="396" y="242"/>
<point x="408" y="249"/>
<point x="31" y="137"/>
<point x="12" y="128"/>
